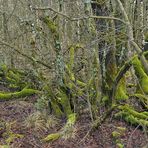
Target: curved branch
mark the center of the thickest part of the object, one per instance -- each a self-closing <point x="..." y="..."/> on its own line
<point x="51" y="9"/>
<point x="121" y="72"/>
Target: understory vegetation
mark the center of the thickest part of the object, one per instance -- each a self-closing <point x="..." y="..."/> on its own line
<point x="76" y="58"/>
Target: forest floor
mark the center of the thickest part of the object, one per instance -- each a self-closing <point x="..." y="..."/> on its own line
<point x="17" y="111"/>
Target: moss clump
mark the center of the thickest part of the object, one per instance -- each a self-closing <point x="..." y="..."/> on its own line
<point x="117" y="136"/>
<point x="23" y="93"/>
<point x="4" y="146"/>
<point x="131" y="111"/>
<point x="52" y="137"/>
<point x="120" y="145"/>
<point x="132" y="116"/>
<point x="71" y="119"/>
<point x="56" y="108"/>
<point x="105" y="100"/>
<point x="135" y="121"/>
<point x="143" y="78"/>
<point x="121" y="91"/>
<point x="72" y="77"/>
<point x="67" y="129"/>
<point x="65" y="102"/>
<point x="4" y="68"/>
<point x="13" y="78"/>
<point x="51" y="25"/>
<point x="72" y="56"/>
<point x="9" y="136"/>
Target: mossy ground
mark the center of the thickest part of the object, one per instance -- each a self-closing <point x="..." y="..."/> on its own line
<point x="17" y="111"/>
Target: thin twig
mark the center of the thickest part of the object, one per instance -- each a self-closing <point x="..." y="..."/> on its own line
<point x="51" y="9"/>
<point x="99" y="17"/>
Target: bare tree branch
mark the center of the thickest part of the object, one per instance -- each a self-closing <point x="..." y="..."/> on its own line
<point x="81" y="18"/>
<point x="23" y="54"/>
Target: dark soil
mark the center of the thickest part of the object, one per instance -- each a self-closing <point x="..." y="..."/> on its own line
<point x="18" y="111"/>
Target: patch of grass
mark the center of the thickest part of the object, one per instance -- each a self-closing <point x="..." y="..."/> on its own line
<point x="40" y="121"/>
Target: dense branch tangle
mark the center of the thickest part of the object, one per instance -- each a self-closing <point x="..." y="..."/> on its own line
<point x="79" y="18"/>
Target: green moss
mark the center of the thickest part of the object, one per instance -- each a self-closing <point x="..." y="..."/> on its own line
<point x="120" y="145"/>
<point x="13" y="78"/>
<point x="138" y="67"/>
<point x="71" y="63"/>
<point x="143" y="78"/>
<point x="121" y="130"/>
<point x="128" y="118"/>
<point x="23" y="93"/>
<point x="10" y="80"/>
<point x="13" y="86"/>
<point x="131" y="111"/>
<point x="68" y="126"/>
<point x="12" y="137"/>
<point x="71" y="119"/>
<point x="144" y="84"/>
<point x="80" y="83"/>
<point x="65" y="102"/>
<point x="145" y="113"/>
<point x="130" y="85"/>
<point x="105" y="100"/>
<point x="132" y="116"/>
<point x="5" y="96"/>
<point x="136" y="121"/>
<point x="116" y="134"/>
<point x="13" y="75"/>
<point x="131" y="119"/>
<point x="4" y="146"/>
<point x="4" y="68"/>
<point x="58" y="112"/>
<point x="58" y="102"/>
<point x="51" y="25"/>
<point x="52" y="137"/>
<point x="69" y="129"/>
<point x="72" y="77"/>
<point x="121" y="91"/>
<point x="9" y="135"/>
